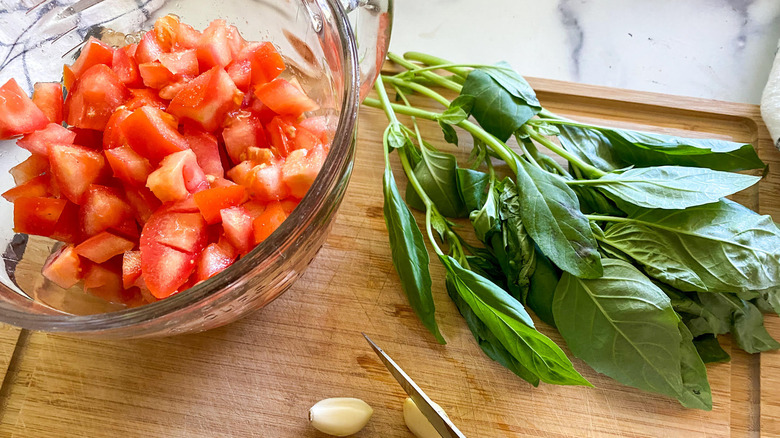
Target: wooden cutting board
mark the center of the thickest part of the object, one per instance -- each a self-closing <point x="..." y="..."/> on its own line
<point x="259" y="376"/>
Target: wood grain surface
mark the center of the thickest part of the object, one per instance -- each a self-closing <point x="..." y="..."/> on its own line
<point x="259" y="376"/>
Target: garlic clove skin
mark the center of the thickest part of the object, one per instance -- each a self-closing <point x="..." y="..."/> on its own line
<point x="340" y="416"/>
<point x="417" y="423"/>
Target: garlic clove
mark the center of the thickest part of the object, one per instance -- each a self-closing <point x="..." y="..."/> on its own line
<point x="417" y="422"/>
<point x="340" y="416"/>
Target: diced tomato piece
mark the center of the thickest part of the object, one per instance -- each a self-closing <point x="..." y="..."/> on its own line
<point x="254" y="208"/>
<point x="102" y="246"/>
<point x="262" y="111"/>
<point x="37" y="187"/>
<point x="181" y="63"/>
<point x="131" y="268"/>
<point x="164" y="30"/>
<point x="28" y="169"/>
<point x="237" y="224"/>
<point x="103" y="208"/>
<point x="206" y="99"/>
<point x="125" y="67"/>
<point x="214" y="259"/>
<point x="155" y="75"/>
<point x="187" y="37"/>
<point x="128" y="229"/>
<point x="142" y="201"/>
<point x="266" y="184"/>
<point x="94" y="52"/>
<point x="75" y="168"/>
<point x="63" y="267"/>
<point x="90" y="138"/>
<point x="243" y="130"/>
<point x="206" y="150"/>
<point x="186" y="205"/>
<point x="68" y="78"/>
<point x="104" y="281"/>
<point x="285" y="98"/>
<point x="320" y="126"/>
<point x="241" y="173"/>
<point x="213" y="47"/>
<point x="300" y="169"/>
<point x="95" y="96"/>
<point x="37" y="215"/>
<point x="142" y="97"/>
<point x="288" y="205"/>
<point x="39" y="142"/>
<point x="47" y="96"/>
<point x="235" y="41"/>
<point x="68" y="229"/>
<point x="18" y="113"/>
<point x="182" y="231"/>
<point x="267" y="63"/>
<point x="178" y="175"/>
<point x="278" y="130"/>
<point x="260" y="155"/>
<point x="218" y="182"/>
<point x="240" y="71"/>
<point x="152" y="133"/>
<point x="211" y="201"/>
<point x="268" y="221"/>
<point x="304" y="139"/>
<point x="148" y="49"/>
<point x="128" y="166"/>
<point x="113" y="136"/>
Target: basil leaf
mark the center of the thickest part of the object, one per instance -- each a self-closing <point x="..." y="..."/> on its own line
<point x="410" y="257"/>
<point x="513" y="247"/>
<point x="672" y="187"/>
<point x="749" y="331"/>
<point x="719" y="247"/>
<point x="696" y="391"/>
<point x="592" y="201"/>
<point x="513" y="83"/>
<point x="554" y="221"/>
<point x="542" y="288"/>
<point x="486" y="221"/>
<point x="487" y="341"/>
<point x="450" y="136"/>
<point x="394" y="136"/>
<point x="772" y="297"/>
<point x="710" y="350"/>
<point x="644" y="149"/>
<point x="591" y="146"/>
<point x="437" y="175"/>
<point x="454" y="114"/>
<point x="473" y="188"/>
<point x="701" y="319"/>
<point x="623" y="326"/>
<point x="512" y="326"/>
<point x="497" y="110"/>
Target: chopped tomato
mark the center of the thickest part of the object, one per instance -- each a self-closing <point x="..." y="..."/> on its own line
<point x="260" y="155"/>
<point x="47" y="96"/>
<point x="237" y="224"/>
<point x="63" y="267"/>
<point x="181" y="63"/>
<point x="164" y="31"/>
<point x="94" y="52"/>
<point x="211" y="201"/>
<point x="131" y="268"/>
<point x="155" y="75"/>
<point x="68" y="229"/>
<point x="187" y="37"/>
<point x="94" y="97"/>
<point x="18" y="113"/>
<point x="102" y="246"/>
<point x="300" y="169"/>
<point x="262" y="111"/>
<point x="125" y="66"/>
<point x="148" y="49"/>
<point x="144" y="96"/>
<point x="28" y="169"/>
<point x="75" y="168"/>
<point x="214" y="47"/>
<point x="104" y="281"/>
<point x="241" y="173"/>
<point x="254" y="208"/>
<point x="285" y="98"/>
<point x="113" y="136"/>
<point x="214" y="259"/>
<point x="183" y="231"/>
<point x="152" y="133"/>
<point x="206" y="150"/>
<point x="37" y="215"/>
<point x="142" y="201"/>
<point x="186" y="205"/>
<point x="103" y="208"/>
<point x="39" y="142"/>
<point x="288" y="205"/>
<point x="266" y="183"/>
<point x="243" y="130"/>
<point x="89" y="138"/>
<point x="206" y="99"/>
<point x="128" y="229"/>
<point x="319" y="126"/>
<point x="240" y="72"/>
<point x="178" y="176"/>
<point x="37" y="187"/>
<point x="278" y="136"/>
<point x="128" y="166"/>
<point x="268" y="221"/>
<point x="267" y="63"/>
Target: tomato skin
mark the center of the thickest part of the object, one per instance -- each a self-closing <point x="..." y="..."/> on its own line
<point x="37" y="215"/>
<point x="18" y="113"/>
<point x="103" y="208"/>
<point x="211" y="201"/>
<point x="63" y="268"/>
<point x="39" y="142"/>
<point x="74" y="169"/>
<point x="267" y="63"/>
<point x="128" y="166"/>
<point x="243" y="130"/>
<point x="206" y="99"/>
<point x="152" y="133"/>
<point x="28" y="169"/>
<point x="103" y="246"/>
<point x="47" y="96"/>
<point x="268" y="221"/>
<point x="94" y="97"/>
<point x="237" y="224"/>
<point x="113" y="136"/>
<point x="276" y="132"/>
<point x="94" y="52"/>
<point x="68" y="229"/>
<point x="206" y="150"/>
<point x="285" y="98"/>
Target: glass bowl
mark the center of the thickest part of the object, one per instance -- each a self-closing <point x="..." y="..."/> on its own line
<point x="319" y="45"/>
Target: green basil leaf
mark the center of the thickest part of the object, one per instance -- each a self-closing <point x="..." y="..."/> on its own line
<point x="594" y="202"/>
<point x="506" y="318"/>
<point x="437" y="175"/>
<point x="772" y="297"/>
<point x="513" y="247"/>
<point x="394" y="136"/>
<point x="486" y="221"/>
<point x="551" y="214"/>
<point x="623" y="326"/>
<point x="749" y="331"/>
<point x="718" y="247"/>
<point x="710" y="350"/>
<point x="672" y="187"/>
<point x="497" y="110"/>
<point x="473" y="188"/>
<point x="453" y="115"/>
<point x="413" y="154"/>
<point x="700" y="319"/>
<point x="644" y="149"/>
<point x="487" y="341"/>
<point x="696" y="391"/>
<point x="410" y="257"/>
<point x="591" y="146"/>
<point x="450" y="135"/>
<point x="542" y="288"/>
<point x="513" y="83"/>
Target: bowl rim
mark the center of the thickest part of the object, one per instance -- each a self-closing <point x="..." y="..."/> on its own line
<point x="337" y="165"/>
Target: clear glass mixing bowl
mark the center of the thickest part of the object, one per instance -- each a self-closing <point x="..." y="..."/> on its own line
<point x="320" y="47"/>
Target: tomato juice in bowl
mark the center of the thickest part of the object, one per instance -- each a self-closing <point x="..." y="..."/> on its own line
<point x="319" y="49"/>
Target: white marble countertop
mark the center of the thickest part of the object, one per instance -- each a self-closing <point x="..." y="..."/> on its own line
<point x="715" y="49"/>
